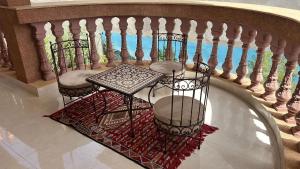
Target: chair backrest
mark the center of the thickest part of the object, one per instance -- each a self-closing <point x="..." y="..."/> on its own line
<point x="194" y="87"/>
<point x="67" y="55"/>
<point x="171" y="47"/>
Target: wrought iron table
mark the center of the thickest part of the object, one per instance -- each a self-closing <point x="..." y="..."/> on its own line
<point x="126" y="79"/>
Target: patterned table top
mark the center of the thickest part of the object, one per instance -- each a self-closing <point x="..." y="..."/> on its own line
<point x="126" y="78"/>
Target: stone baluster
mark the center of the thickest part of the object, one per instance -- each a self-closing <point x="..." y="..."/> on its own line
<point x="183" y="56"/>
<point x="296" y="130"/>
<point x="139" y="53"/>
<point x="256" y="77"/>
<point x="271" y="84"/>
<point x="216" y="31"/>
<point x="294" y="109"/>
<point x="154" y="28"/>
<point x="4" y="51"/>
<point x="185" y="27"/>
<point x="283" y="94"/>
<point x="58" y="32"/>
<point x="247" y="38"/>
<point x="1" y="57"/>
<point x="45" y="66"/>
<point x="75" y="30"/>
<point x="11" y="67"/>
<point x="169" y="27"/>
<point x="107" y="25"/>
<point x="94" y="57"/>
<point x="232" y="33"/>
<point x="293" y="105"/>
<point x="200" y="30"/>
<point x="123" y="27"/>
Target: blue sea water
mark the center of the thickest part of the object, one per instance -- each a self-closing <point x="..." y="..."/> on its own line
<point x="191" y="48"/>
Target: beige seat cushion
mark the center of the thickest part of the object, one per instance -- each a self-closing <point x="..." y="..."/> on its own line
<point x="162" y="110"/>
<point x="167" y="67"/>
<point x="76" y="78"/>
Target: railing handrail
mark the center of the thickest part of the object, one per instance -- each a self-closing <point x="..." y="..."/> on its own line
<point x="22" y="25"/>
<point x="284" y="12"/>
<point x="191" y="9"/>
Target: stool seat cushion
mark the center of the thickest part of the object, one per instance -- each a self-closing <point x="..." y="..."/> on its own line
<point x="76" y="79"/>
<point x="162" y="110"/>
<point x="167" y="67"/>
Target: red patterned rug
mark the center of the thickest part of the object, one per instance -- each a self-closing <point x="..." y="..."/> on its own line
<point x="113" y="131"/>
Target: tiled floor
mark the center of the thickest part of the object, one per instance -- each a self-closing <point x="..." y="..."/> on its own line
<point x="29" y="140"/>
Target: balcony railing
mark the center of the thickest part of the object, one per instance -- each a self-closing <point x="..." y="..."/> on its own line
<point x="24" y="30"/>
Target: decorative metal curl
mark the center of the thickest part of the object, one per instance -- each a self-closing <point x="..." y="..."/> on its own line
<point x="67" y="44"/>
<point x="174" y="37"/>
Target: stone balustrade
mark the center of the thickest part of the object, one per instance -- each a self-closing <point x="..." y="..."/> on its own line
<point x="252" y="27"/>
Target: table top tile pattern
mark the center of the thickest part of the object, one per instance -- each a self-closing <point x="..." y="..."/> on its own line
<point x="126" y="78"/>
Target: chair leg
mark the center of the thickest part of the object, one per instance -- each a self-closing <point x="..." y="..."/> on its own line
<point x="153" y="92"/>
<point x="64" y="101"/>
<point x="94" y="106"/>
<point x="165" y="144"/>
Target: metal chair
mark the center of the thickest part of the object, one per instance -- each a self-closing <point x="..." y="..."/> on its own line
<point x="71" y="79"/>
<point x="183" y="113"/>
<point x="171" y="56"/>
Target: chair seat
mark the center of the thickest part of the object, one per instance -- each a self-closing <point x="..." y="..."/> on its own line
<point x="162" y="110"/>
<point x="167" y="67"/>
<point x="76" y="79"/>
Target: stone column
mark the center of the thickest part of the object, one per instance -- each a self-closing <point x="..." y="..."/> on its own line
<point x="123" y="27"/>
<point x="94" y="57"/>
<point x="45" y="66"/>
<point x="169" y="27"/>
<point x="139" y="53"/>
<point x="185" y="27"/>
<point x="75" y="30"/>
<point x="293" y="105"/>
<point x="58" y="32"/>
<point x="283" y="94"/>
<point x="107" y="25"/>
<point x="271" y="84"/>
<point x="232" y="33"/>
<point x="247" y="38"/>
<point x="256" y="77"/>
<point x="22" y="49"/>
<point x="216" y="31"/>
<point x="154" y="28"/>
<point x="200" y="30"/>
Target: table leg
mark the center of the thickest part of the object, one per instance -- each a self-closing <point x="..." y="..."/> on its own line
<point x="152" y="88"/>
<point x="102" y="93"/>
<point x="131" y="116"/>
<point x="105" y="102"/>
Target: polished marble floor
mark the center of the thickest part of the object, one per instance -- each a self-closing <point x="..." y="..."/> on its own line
<point x="29" y="140"/>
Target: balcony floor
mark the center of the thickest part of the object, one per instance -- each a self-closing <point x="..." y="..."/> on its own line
<point x="28" y="140"/>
